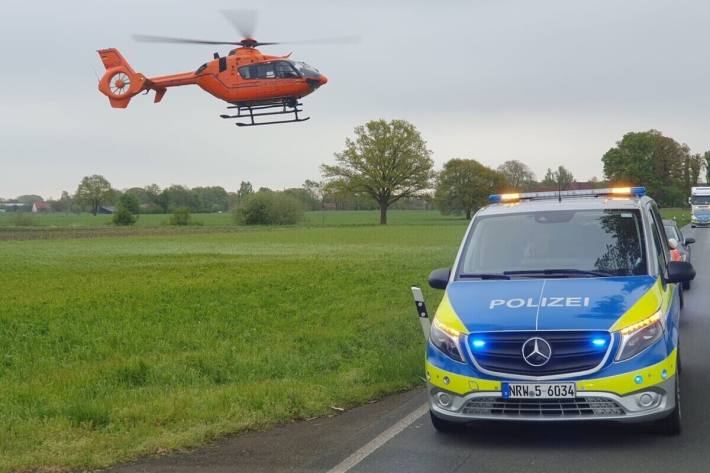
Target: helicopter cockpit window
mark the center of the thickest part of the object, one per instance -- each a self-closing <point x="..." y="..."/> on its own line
<point x="306" y="70"/>
<point x="284" y="70"/>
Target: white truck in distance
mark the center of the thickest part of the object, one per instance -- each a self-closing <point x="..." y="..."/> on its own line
<point x="699" y="201"/>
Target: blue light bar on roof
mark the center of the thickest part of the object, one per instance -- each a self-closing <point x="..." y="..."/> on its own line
<point x="612" y="191"/>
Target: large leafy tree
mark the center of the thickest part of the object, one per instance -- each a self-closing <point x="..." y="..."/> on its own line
<point x="94" y="191"/>
<point x="464" y="185"/>
<point x="129" y="202"/>
<point x="29" y="199"/>
<point x="692" y="167"/>
<point x="387" y="161"/>
<point x="315" y="189"/>
<point x="178" y="197"/>
<point x="156" y="198"/>
<point x="518" y="174"/>
<point x="64" y="204"/>
<point x="561" y="178"/>
<point x="211" y="199"/>
<point x="245" y="189"/>
<point x="652" y="160"/>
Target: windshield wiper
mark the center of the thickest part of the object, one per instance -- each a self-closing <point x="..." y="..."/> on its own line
<point x="484" y="276"/>
<point x="558" y="272"/>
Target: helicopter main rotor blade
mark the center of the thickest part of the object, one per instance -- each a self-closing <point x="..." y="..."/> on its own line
<point x="244" y="21"/>
<point x="350" y="39"/>
<point x="169" y="39"/>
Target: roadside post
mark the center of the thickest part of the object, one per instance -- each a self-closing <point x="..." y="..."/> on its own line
<point x="422" y="312"/>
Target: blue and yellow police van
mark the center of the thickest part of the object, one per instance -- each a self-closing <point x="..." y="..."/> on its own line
<point x="560" y="306"/>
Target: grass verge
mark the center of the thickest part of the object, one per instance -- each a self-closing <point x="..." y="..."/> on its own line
<point x="116" y="347"/>
<point x="680" y="215"/>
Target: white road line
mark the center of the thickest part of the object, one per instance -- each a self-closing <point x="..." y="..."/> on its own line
<point x="379" y="441"/>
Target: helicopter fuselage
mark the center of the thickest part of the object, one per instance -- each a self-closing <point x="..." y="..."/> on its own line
<point x="245" y="76"/>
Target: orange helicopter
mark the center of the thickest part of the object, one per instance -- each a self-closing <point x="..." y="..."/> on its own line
<point x="255" y="84"/>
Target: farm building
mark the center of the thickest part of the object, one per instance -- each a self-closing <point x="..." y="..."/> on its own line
<point x="40" y="206"/>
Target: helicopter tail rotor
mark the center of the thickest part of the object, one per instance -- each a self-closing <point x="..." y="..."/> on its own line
<point x="120" y="82"/>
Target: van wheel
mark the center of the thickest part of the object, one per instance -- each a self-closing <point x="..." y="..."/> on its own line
<point x="671" y="425"/>
<point x="445" y="426"/>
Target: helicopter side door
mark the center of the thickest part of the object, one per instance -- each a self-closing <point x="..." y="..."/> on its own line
<point x="273" y="79"/>
<point x="261" y="78"/>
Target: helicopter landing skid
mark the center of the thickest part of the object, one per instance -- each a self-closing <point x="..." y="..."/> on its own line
<point x="284" y="107"/>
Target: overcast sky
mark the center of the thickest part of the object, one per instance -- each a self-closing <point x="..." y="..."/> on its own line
<point x="546" y="82"/>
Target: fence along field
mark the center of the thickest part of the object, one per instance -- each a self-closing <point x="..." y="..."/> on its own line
<point x="132" y="344"/>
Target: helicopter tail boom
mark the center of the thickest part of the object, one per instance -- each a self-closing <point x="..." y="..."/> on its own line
<point x="120" y="82"/>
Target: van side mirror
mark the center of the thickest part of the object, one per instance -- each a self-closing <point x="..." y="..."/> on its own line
<point x="439" y="278"/>
<point x="689" y="241"/>
<point x="680" y="271"/>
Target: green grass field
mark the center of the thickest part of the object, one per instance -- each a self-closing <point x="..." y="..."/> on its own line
<point x="141" y="342"/>
<point x="133" y="344"/>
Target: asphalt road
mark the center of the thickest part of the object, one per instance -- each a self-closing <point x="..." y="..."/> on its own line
<point x="387" y="437"/>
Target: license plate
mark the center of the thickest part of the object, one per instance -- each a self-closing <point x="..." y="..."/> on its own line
<point x="538" y="391"/>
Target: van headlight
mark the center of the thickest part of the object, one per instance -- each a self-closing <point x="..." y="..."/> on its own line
<point x="446" y="339"/>
<point x="637" y="337"/>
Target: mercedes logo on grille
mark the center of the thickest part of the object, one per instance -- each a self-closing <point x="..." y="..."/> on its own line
<point x="536" y="351"/>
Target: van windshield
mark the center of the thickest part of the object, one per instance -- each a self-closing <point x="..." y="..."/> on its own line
<point x="567" y="242"/>
<point x="700" y="200"/>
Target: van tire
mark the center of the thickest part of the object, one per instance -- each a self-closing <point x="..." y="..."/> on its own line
<point x="672" y="425"/>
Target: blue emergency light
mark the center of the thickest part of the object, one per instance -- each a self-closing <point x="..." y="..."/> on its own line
<point x="478" y="343"/>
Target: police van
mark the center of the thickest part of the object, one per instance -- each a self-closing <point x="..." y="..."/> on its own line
<point x="560" y="306"/>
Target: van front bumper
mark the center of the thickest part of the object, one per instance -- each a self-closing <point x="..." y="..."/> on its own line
<point x="644" y="405"/>
<point x="644" y="394"/>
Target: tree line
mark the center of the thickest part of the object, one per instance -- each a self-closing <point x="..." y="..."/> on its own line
<point x="386" y="164"/>
<point x="389" y="161"/>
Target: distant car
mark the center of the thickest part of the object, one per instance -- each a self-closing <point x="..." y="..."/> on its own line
<point x="683" y="246"/>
